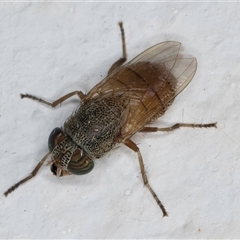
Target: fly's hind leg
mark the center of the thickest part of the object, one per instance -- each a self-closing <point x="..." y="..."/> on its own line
<point x="178" y="125"/>
<point x="80" y="94"/>
<point x="124" y="52"/>
<point x="129" y="143"/>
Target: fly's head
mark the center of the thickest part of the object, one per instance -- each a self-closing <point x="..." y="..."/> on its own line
<point x="67" y="157"/>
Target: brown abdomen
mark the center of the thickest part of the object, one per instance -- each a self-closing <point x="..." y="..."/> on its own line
<point x="150" y="89"/>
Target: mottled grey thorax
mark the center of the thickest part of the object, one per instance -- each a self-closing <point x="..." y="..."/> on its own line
<point x="96" y="125"/>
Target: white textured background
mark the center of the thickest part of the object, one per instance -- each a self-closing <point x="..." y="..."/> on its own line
<point x="50" y="49"/>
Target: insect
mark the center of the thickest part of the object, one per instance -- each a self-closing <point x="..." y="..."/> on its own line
<point x="124" y="103"/>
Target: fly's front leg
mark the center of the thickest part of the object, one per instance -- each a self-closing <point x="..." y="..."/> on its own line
<point x="31" y="175"/>
<point x="124" y="52"/>
<point x="57" y="102"/>
<point x="178" y="125"/>
<point x="129" y="143"/>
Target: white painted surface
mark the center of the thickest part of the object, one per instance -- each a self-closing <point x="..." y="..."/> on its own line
<point x="49" y="49"/>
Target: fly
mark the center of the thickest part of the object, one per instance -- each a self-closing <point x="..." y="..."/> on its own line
<point x="131" y="97"/>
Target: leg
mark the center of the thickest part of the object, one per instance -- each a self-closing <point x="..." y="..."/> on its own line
<point x="32" y="174"/>
<point x="124" y="53"/>
<point x="57" y="102"/>
<point x="129" y="143"/>
<point x="178" y="125"/>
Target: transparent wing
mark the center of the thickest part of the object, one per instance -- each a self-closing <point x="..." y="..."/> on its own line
<point x="149" y="83"/>
<point x="167" y="54"/>
<point x="170" y="56"/>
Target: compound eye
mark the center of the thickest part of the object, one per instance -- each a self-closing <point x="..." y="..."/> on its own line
<point x="81" y="166"/>
<point x="55" y="137"/>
